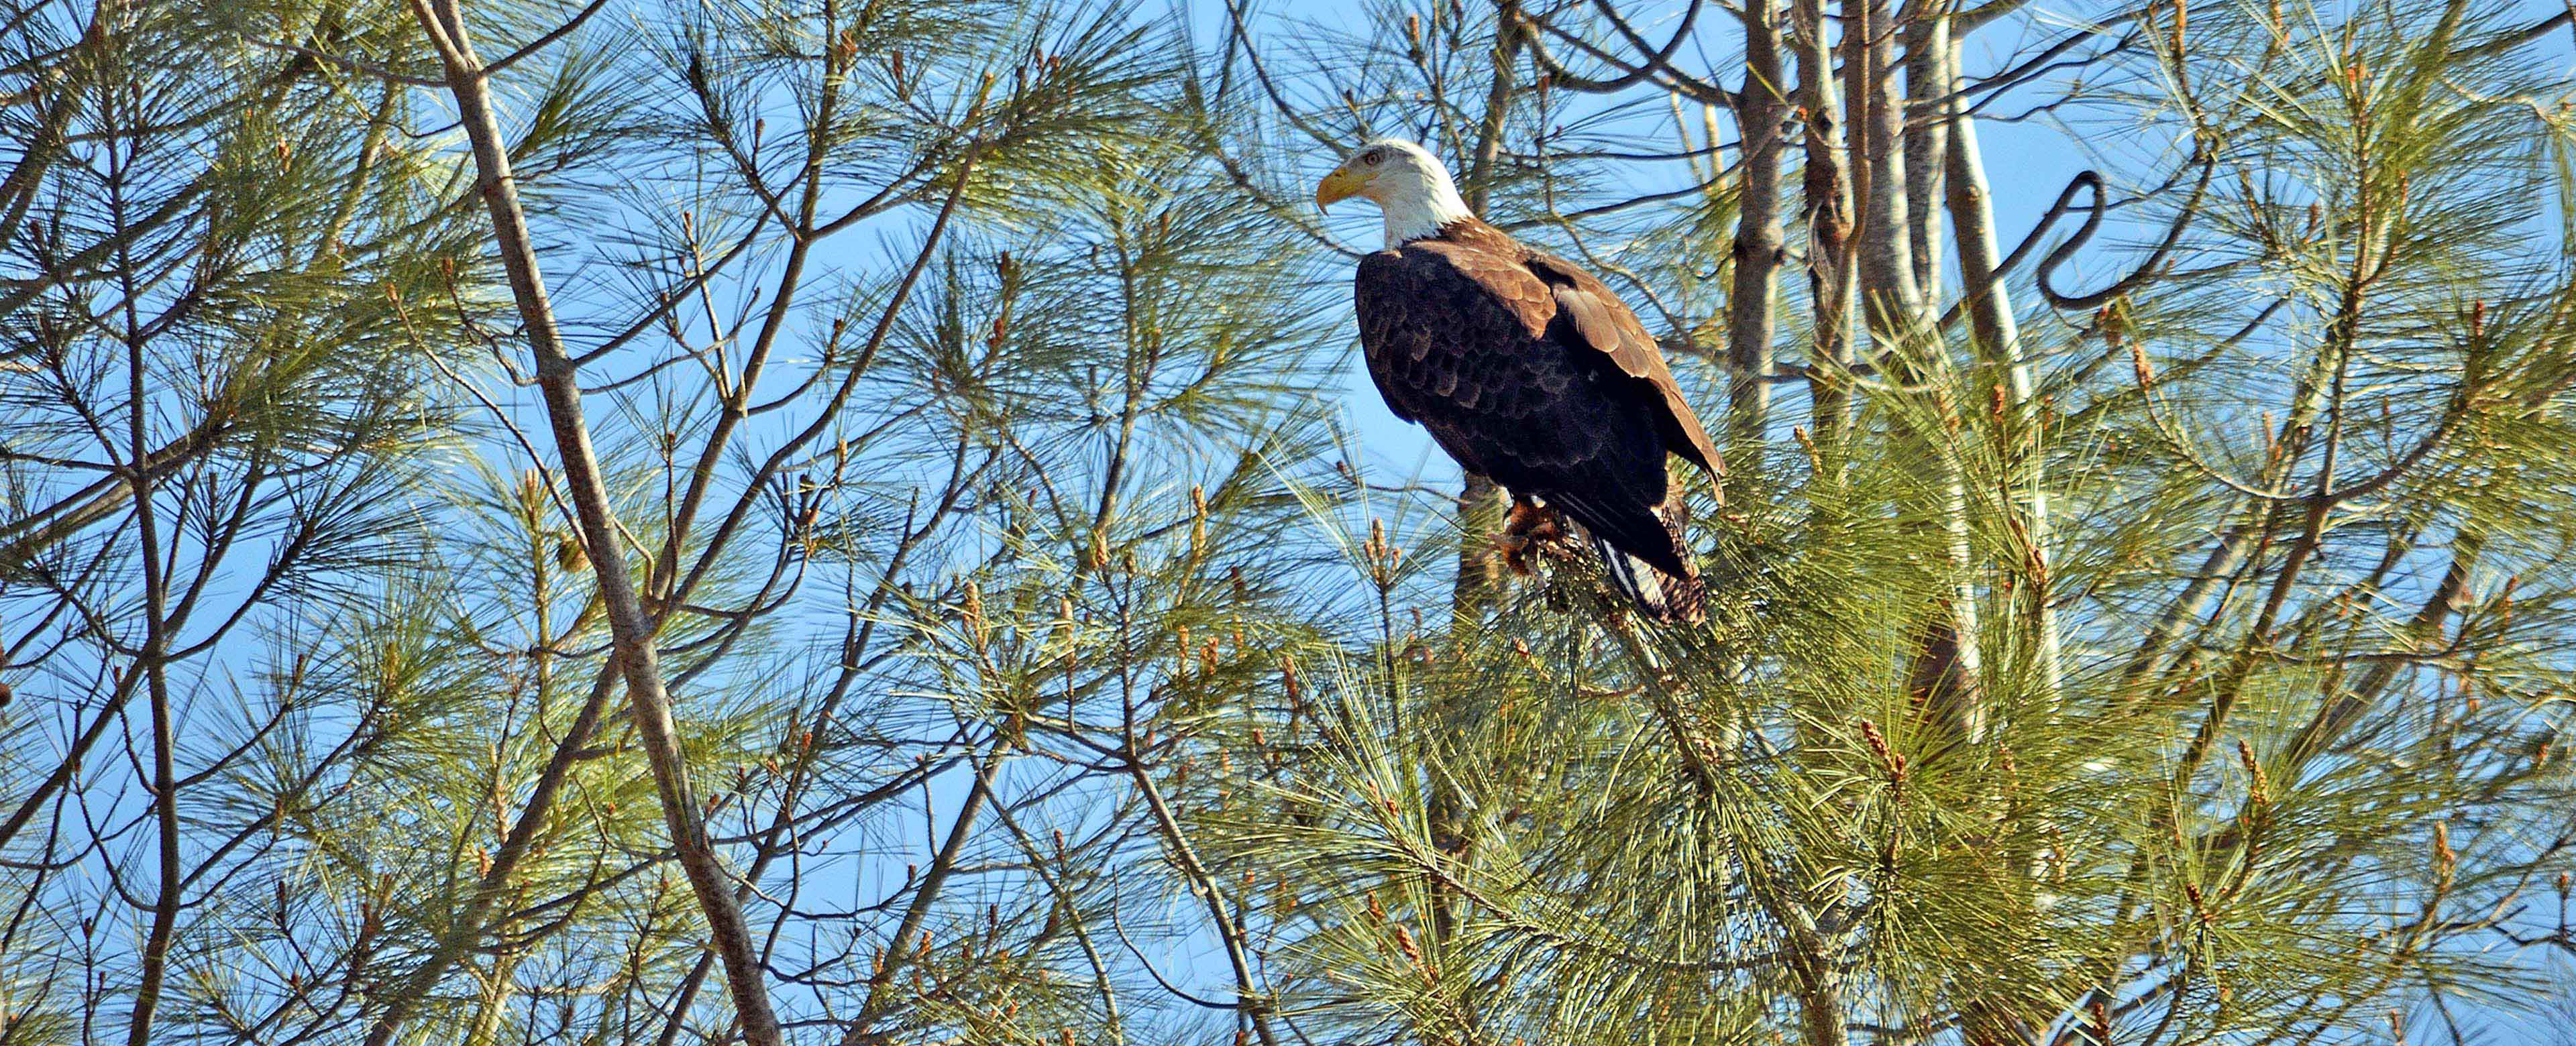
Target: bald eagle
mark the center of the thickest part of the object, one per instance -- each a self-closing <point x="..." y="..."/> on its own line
<point x="1526" y="369"/>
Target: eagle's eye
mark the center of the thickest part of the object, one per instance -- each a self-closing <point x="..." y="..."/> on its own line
<point x="1373" y="157"/>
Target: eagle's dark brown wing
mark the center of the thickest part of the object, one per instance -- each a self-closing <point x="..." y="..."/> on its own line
<point x="1469" y="341"/>
<point x="1603" y="322"/>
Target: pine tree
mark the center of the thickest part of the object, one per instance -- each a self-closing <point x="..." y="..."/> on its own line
<point x="634" y="521"/>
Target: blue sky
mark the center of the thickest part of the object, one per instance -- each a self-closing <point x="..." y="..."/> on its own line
<point x="2029" y="162"/>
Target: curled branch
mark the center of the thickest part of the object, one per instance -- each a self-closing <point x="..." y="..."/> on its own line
<point x="1653" y="59"/>
<point x="2093" y="221"/>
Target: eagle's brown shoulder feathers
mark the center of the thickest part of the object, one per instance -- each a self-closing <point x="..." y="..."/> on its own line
<point x="1529" y="370"/>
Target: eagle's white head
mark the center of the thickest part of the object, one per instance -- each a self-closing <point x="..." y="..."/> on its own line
<point x="1407" y="183"/>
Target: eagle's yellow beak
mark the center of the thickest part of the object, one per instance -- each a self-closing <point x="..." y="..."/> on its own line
<point x="1340" y="185"/>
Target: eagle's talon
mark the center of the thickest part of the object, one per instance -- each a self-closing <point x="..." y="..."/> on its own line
<point x="1529" y="531"/>
<point x="1533" y="521"/>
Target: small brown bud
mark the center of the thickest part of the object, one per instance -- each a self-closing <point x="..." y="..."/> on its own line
<point x="2445" y="859"/>
<point x="1887" y="755"/>
<point x="2258" y="785"/>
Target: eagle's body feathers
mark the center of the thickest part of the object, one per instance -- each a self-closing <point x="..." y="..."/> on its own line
<point x="1528" y="370"/>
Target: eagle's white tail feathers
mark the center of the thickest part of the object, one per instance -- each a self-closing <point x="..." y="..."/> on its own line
<point x="1660" y="595"/>
<point x="1633" y="576"/>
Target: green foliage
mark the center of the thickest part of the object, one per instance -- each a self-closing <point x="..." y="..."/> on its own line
<point x="1051" y="662"/>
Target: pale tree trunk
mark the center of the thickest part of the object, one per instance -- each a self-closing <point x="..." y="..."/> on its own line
<point x="1891" y="300"/>
<point x="1761" y="107"/>
<point x="1929" y="73"/>
<point x="1997" y="335"/>
<point x="1827" y="189"/>
<point x="631" y="627"/>
<point x="1751" y="315"/>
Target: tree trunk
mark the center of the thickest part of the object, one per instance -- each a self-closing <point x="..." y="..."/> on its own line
<point x="1751" y="319"/>
<point x="1827" y="189"/>
<point x="1929" y="73"/>
<point x="632" y="628"/>
<point x="1997" y="336"/>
